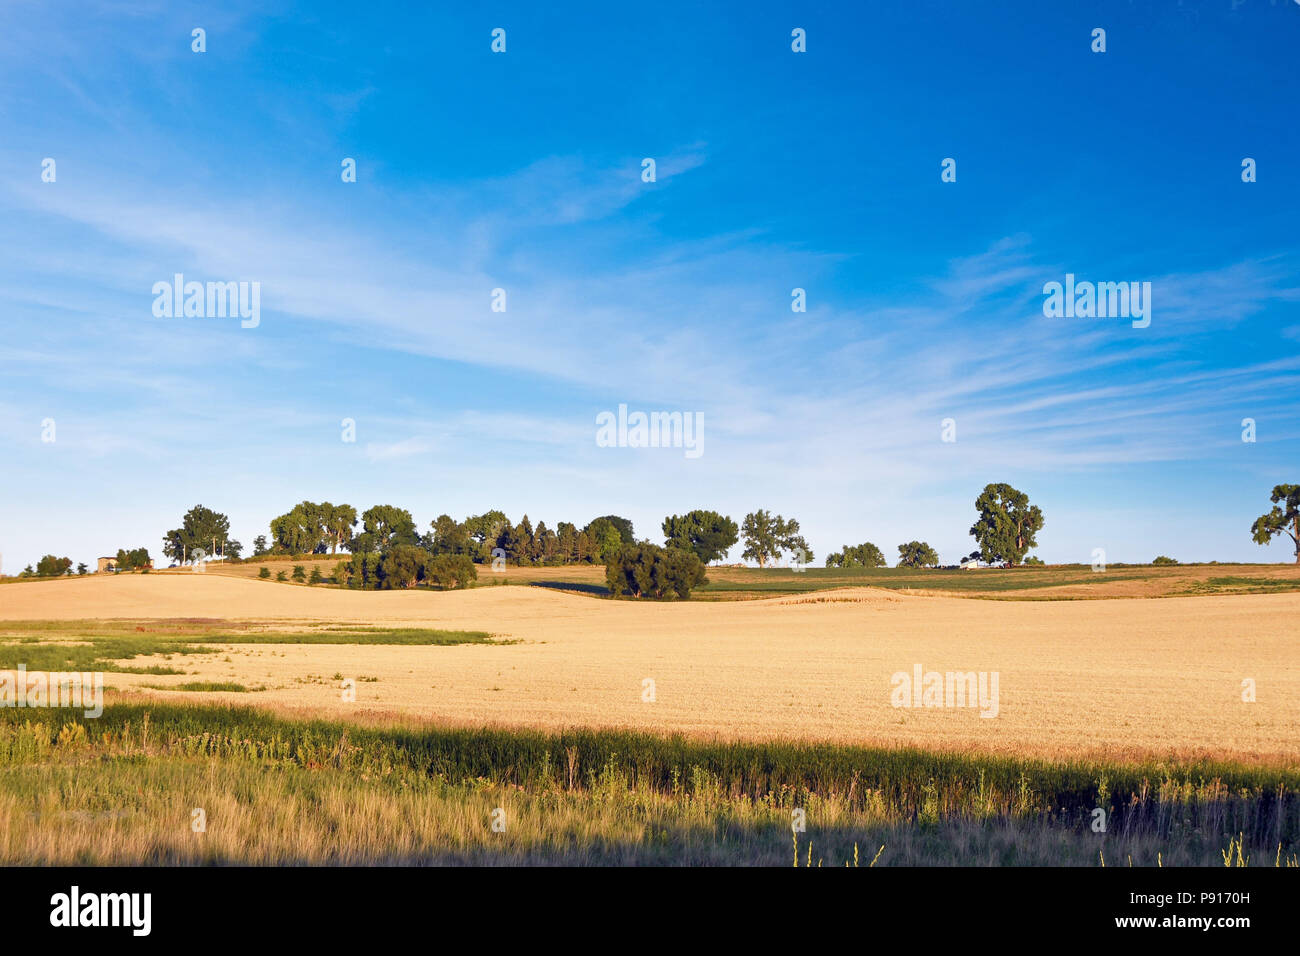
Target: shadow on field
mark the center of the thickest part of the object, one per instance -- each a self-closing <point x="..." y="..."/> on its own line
<point x="598" y="590"/>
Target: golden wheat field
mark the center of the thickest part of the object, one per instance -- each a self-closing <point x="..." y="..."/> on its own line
<point x="1116" y="678"/>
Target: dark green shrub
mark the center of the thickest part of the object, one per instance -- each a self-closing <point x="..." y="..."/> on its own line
<point x="343" y="573"/>
<point x="402" y="566"/>
<point x="647" y="570"/>
<point x="451" y="571"/>
<point x="299" y="573"/>
<point x="264" y="572"/>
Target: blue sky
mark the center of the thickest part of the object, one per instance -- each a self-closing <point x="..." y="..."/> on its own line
<point x="776" y="170"/>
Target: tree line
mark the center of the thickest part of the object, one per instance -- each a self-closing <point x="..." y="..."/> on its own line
<point x="326" y="528"/>
<point x="51" y="567"/>
<point x="1005" y="531"/>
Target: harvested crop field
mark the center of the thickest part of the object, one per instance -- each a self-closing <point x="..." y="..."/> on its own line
<point x="1112" y="678"/>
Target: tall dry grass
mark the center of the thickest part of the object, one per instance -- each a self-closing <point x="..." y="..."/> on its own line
<point x="122" y="790"/>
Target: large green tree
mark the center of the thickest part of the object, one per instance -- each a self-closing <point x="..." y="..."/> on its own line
<point x="300" y="530"/>
<point x="384" y="527"/>
<point x="708" y="534"/>
<point x="604" y="539"/>
<point x="917" y="554"/>
<point x="1283" y="519"/>
<point x="865" y="555"/>
<point x="311" y="528"/>
<point x="202" y="530"/>
<point x="1007" y="524"/>
<point x="448" y="536"/>
<point x="526" y="541"/>
<point x="622" y="525"/>
<point x="484" y="530"/>
<point x="544" y="544"/>
<point x="767" y="537"/>
<point x="566" y="542"/>
<point x="508" y="543"/>
<point x="337" y="521"/>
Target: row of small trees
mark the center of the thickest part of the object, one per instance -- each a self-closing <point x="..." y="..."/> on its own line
<point x="913" y="554"/>
<point x="1008" y="526"/>
<point x="1006" y="529"/>
<point x="50" y="566"/>
<point x="312" y="528"/>
<point x="321" y="528"/>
